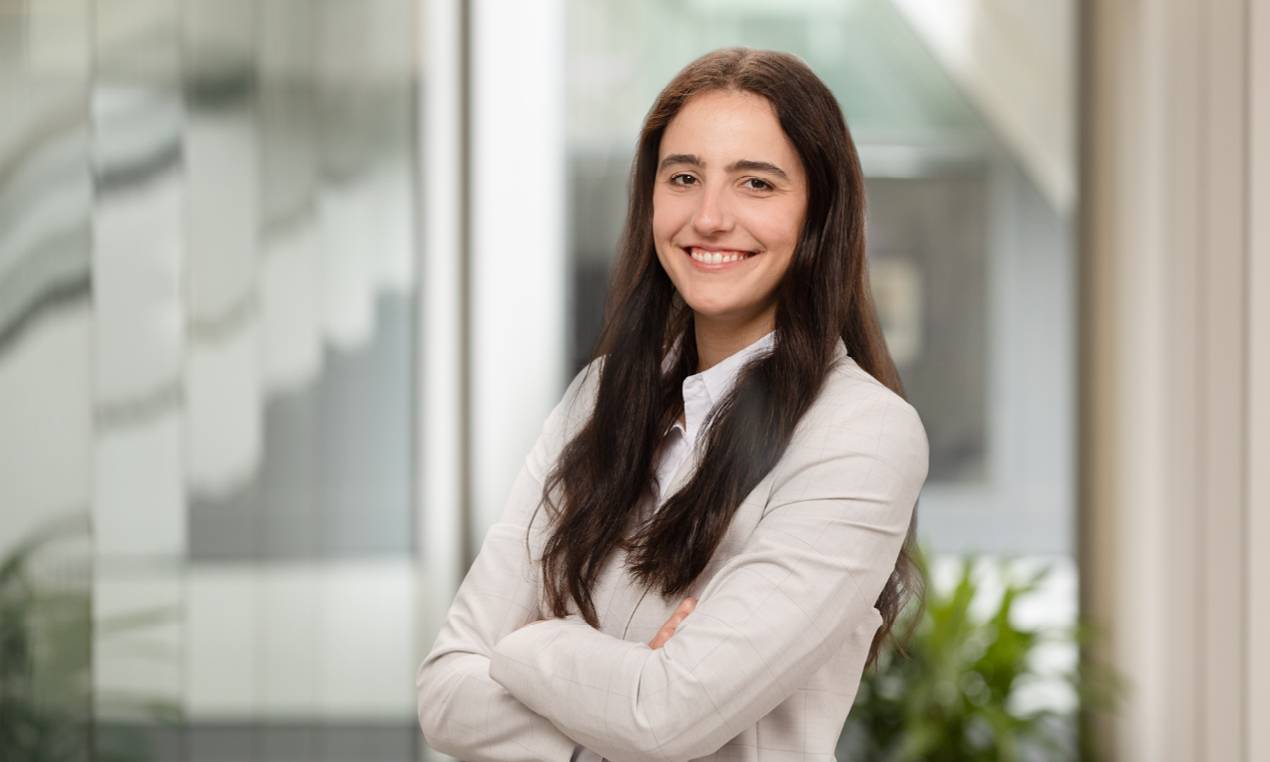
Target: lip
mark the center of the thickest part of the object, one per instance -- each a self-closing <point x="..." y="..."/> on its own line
<point x="687" y="250"/>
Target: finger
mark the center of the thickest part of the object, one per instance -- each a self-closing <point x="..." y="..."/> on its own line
<point x="672" y="624"/>
<point x="668" y="629"/>
<point x="681" y="613"/>
<point x="661" y="637"/>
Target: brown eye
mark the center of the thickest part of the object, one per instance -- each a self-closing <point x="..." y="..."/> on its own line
<point x="674" y="179"/>
<point x="765" y="186"/>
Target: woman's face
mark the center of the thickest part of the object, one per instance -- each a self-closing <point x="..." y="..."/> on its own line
<point x="728" y="204"/>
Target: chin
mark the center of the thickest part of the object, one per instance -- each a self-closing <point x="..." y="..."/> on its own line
<point x="717" y="311"/>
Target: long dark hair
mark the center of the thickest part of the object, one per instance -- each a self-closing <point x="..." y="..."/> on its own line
<point x="606" y="468"/>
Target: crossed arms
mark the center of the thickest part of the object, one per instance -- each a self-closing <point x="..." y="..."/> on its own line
<point x="493" y="689"/>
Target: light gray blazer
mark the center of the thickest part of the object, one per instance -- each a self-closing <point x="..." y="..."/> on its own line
<point x="767" y="664"/>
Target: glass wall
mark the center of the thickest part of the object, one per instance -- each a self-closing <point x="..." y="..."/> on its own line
<point x="207" y="409"/>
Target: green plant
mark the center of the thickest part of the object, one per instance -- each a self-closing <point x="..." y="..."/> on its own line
<point x="954" y="696"/>
<point x="46" y="639"/>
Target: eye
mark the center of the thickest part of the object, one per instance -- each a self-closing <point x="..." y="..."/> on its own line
<point x="763" y="185"/>
<point x="674" y="179"/>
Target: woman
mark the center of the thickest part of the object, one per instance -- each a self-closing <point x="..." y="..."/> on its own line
<point x="729" y="487"/>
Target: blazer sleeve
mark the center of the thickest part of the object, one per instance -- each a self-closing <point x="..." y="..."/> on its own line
<point x="462" y="712"/>
<point x="805" y="580"/>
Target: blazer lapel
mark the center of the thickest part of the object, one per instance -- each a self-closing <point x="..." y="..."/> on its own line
<point x="681" y="476"/>
<point x="628" y="595"/>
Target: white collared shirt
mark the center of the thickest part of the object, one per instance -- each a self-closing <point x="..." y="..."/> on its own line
<point x="701" y="392"/>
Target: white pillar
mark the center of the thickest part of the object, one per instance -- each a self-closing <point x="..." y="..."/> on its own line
<point x="519" y="298"/>
<point x="441" y="302"/>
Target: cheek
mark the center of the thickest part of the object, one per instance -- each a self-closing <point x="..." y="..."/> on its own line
<point x="662" y="228"/>
<point x="671" y="213"/>
<point x="663" y="231"/>
<point x="778" y="227"/>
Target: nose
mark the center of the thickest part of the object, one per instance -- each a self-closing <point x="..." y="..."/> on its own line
<point x="712" y="215"/>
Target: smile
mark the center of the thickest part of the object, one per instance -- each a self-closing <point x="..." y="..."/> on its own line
<point x="717" y="260"/>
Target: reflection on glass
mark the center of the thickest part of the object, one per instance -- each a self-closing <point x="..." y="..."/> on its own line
<point x="207" y="282"/>
<point x="138" y="511"/>
<point x="45" y="397"/>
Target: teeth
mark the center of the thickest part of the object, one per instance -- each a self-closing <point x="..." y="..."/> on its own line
<point x="715" y="258"/>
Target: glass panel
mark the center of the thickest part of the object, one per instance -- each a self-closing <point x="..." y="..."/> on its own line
<point x="207" y="330"/>
<point x="46" y="336"/>
<point x="139" y="524"/>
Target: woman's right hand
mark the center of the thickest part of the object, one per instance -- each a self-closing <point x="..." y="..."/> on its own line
<point x="668" y="629"/>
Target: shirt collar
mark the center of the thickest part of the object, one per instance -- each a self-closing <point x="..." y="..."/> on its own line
<point x="702" y="391"/>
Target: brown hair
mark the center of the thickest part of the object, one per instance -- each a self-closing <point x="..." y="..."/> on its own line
<point x="605" y="469"/>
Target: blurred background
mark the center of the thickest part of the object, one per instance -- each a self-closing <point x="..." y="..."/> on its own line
<point x="287" y="288"/>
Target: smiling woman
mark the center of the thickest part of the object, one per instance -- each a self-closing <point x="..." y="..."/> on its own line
<point x="729" y="485"/>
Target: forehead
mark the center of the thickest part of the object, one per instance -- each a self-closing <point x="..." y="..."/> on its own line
<point x="723" y="126"/>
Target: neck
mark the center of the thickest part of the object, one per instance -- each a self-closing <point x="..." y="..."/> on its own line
<point x="718" y="339"/>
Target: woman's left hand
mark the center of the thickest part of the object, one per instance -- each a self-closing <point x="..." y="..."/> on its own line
<point x="668" y="629"/>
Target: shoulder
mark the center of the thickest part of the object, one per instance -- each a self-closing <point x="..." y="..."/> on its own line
<point x="851" y="395"/>
<point x="575" y="405"/>
<point x="859" y="425"/>
<point x="564" y="421"/>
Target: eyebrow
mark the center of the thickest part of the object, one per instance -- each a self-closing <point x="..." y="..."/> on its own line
<point x="745" y="165"/>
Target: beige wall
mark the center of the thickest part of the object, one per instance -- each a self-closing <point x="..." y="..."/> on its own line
<point x="1175" y="332"/>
